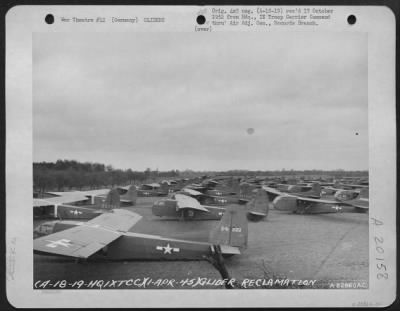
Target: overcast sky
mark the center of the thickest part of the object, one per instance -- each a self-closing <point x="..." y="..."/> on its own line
<point x="185" y="100"/>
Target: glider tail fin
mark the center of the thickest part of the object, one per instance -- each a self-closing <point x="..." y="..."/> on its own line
<point x="245" y="189"/>
<point x="130" y="195"/>
<point x="232" y="230"/>
<point x="316" y="189"/>
<point x="235" y="187"/>
<point x="259" y="205"/>
<point x="179" y="185"/>
<point x="110" y="201"/>
<point x="164" y="189"/>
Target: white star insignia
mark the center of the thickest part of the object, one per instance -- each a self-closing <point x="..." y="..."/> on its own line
<point x="336" y="207"/>
<point x="167" y="249"/>
<point x="75" y="212"/>
<point x="62" y="242"/>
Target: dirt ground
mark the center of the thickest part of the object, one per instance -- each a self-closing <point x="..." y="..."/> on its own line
<point x="326" y="248"/>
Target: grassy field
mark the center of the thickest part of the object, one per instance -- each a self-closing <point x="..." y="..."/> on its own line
<point x="326" y="249"/>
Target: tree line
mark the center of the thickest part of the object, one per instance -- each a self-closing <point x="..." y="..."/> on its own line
<point x="67" y="175"/>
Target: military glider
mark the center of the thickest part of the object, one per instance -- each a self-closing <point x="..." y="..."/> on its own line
<point x="309" y="191"/>
<point x="203" y="198"/>
<point x="184" y="207"/>
<point x="215" y="193"/>
<point x="343" y="186"/>
<point x="153" y="190"/>
<point x="302" y="205"/>
<point x="206" y="184"/>
<point x="230" y="187"/>
<point x="240" y="193"/>
<point x="61" y="207"/>
<point x="108" y="236"/>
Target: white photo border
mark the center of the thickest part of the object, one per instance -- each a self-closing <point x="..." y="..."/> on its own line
<point x="22" y="21"/>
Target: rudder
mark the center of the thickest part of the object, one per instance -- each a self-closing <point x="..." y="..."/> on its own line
<point x="131" y="194"/>
<point x="316" y="189"/>
<point x="235" y="188"/>
<point x="164" y="188"/>
<point x="245" y="189"/>
<point x="232" y="229"/>
<point x="259" y="205"/>
<point x="110" y="201"/>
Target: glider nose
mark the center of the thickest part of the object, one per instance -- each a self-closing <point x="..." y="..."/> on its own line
<point x="277" y="202"/>
<point x="285" y="203"/>
<point x="342" y="195"/>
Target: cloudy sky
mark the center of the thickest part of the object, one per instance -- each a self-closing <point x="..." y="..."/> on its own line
<point x="185" y="100"/>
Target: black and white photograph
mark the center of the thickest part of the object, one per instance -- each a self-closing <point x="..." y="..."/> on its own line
<point x="214" y="149"/>
<point x="202" y="160"/>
